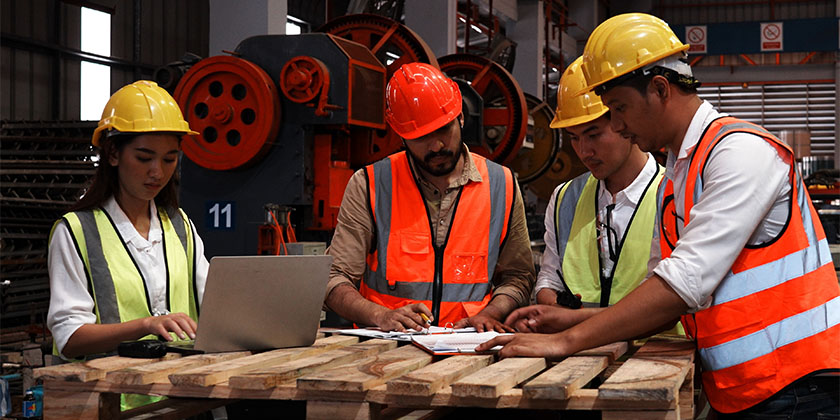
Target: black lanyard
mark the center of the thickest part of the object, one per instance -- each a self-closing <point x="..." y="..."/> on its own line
<point x="607" y="281"/>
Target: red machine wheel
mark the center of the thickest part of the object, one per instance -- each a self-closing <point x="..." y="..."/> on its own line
<point x="234" y="106"/>
<point x="505" y="108"/>
<point x="530" y="163"/>
<point x="302" y="78"/>
<point x="386" y="38"/>
<point x="394" y="44"/>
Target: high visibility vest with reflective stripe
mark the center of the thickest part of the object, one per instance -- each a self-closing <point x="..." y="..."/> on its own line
<point x="114" y="280"/>
<point x="575" y="230"/>
<point x="407" y="268"/>
<point x="774" y="316"/>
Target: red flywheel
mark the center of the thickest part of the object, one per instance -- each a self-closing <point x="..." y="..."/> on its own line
<point x="234" y="105"/>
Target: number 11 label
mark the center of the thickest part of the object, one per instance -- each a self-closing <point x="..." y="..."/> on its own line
<point x="220" y="214"/>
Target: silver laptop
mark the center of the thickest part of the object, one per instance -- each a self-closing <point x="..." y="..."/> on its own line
<point x="262" y="302"/>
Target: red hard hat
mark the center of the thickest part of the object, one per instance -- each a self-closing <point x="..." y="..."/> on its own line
<point x="420" y="99"/>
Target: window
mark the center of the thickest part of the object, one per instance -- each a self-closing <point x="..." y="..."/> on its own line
<point x="95" y="80"/>
<point x="295" y="26"/>
<point x="784" y="106"/>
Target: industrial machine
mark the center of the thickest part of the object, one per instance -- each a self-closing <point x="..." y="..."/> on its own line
<point x="274" y="120"/>
<point x="285" y="120"/>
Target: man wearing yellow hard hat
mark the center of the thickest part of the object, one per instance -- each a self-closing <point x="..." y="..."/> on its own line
<point x="744" y="259"/>
<point x="598" y="226"/>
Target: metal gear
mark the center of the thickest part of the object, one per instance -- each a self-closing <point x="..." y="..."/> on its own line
<point x="505" y="108"/>
<point x="394" y="44"/>
<point x="532" y="161"/>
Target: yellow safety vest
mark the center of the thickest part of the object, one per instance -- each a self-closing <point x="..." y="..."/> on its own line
<point x="577" y="246"/>
<point x="114" y="280"/>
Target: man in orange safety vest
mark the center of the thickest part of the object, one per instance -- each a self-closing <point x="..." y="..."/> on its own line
<point x="433" y="234"/>
<point x="743" y="258"/>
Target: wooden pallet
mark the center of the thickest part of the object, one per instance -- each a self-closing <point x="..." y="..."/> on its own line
<point x="341" y="377"/>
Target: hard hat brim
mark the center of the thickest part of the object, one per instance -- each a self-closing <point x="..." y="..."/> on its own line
<point x="557" y="122"/>
<point x="593" y="86"/>
<point x="99" y="132"/>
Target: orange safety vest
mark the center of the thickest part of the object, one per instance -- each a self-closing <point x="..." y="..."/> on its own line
<point x="774" y="317"/>
<point x="406" y="267"/>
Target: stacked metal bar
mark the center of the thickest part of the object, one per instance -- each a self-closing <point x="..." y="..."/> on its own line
<point x="43" y="168"/>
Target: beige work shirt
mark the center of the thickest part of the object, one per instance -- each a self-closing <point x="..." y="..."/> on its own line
<point x="514" y="275"/>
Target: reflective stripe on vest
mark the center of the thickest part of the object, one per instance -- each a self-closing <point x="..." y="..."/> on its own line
<point x="403" y="268"/>
<point x="774" y="316"/>
<point x="577" y="247"/>
<point x="114" y="280"/>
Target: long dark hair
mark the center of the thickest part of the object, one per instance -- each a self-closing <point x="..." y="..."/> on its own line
<point x="105" y="182"/>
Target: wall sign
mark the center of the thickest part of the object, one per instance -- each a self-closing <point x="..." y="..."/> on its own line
<point x="771" y="36"/>
<point x="696" y="38"/>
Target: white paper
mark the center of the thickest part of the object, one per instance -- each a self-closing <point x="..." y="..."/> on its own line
<point x="402" y="336"/>
<point x="456" y="343"/>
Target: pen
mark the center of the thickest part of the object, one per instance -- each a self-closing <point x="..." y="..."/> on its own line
<point x="425" y="318"/>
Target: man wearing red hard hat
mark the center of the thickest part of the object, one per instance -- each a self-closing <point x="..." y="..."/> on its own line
<point x="433" y="234"/>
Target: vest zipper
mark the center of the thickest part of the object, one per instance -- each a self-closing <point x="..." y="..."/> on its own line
<point x="437" y="285"/>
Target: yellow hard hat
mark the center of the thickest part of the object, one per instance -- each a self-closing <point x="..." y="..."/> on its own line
<point x="141" y="107"/>
<point x="574" y="109"/>
<point x="625" y="43"/>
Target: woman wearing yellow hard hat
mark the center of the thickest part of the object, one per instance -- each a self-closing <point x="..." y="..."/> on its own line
<point x="125" y="262"/>
<point x="742" y="257"/>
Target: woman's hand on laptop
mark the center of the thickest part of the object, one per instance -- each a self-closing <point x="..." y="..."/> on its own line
<point x="404" y="318"/>
<point x="179" y="323"/>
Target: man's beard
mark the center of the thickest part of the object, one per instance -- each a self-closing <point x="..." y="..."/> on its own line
<point x="440" y="169"/>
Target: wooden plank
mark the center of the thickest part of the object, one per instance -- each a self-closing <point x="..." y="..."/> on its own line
<point x="11" y="357"/>
<point x="335" y="341"/>
<point x="428" y="414"/>
<point x="72" y="405"/>
<point x="220" y="372"/>
<point x="686" y="395"/>
<point x="646" y="379"/>
<point x="93" y="369"/>
<point x="173" y="409"/>
<point x="159" y="371"/>
<point x="272" y="376"/>
<point x="582" y="399"/>
<point x="686" y="412"/>
<point x="640" y="415"/>
<point x="667" y="347"/>
<point x="431" y="378"/>
<point x="612" y="351"/>
<point x="336" y="410"/>
<point x="366" y="373"/>
<point x="497" y="378"/>
<point x="566" y="377"/>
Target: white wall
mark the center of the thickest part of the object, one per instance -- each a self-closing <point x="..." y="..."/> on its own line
<point x="233" y="21"/>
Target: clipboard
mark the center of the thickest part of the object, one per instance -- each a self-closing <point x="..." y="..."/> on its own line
<point x="455" y="343"/>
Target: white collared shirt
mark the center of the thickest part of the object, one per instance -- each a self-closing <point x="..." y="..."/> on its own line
<point x="625" y="202"/>
<point x="72" y="306"/>
<point x="745" y="200"/>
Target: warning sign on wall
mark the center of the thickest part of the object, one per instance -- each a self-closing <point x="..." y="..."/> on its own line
<point x="771" y="36"/>
<point x="697" y="39"/>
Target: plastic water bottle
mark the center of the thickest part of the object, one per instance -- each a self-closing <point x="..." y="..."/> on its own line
<point x="29" y="405"/>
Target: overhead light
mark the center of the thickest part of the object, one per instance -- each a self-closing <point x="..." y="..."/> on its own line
<point x="476" y="28"/>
